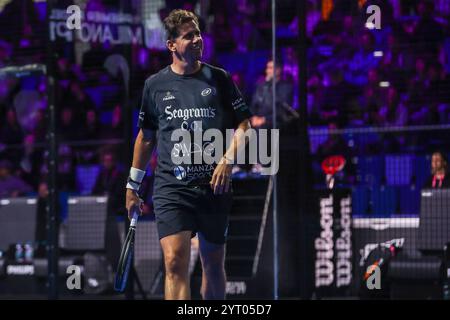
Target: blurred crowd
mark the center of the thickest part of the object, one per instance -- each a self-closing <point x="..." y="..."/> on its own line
<point x="395" y="76"/>
<point x="358" y="76"/>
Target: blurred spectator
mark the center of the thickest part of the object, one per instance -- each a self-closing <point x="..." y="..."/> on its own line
<point x="262" y="99"/>
<point x="20" y="25"/>
<point x="64" y="73"/>
<point x="370" y="102"/>
<point x="222" y="30"/>
<point x="315" y="97"/>
<point x="263" y="15"/>
<point x="91" y="128"/>
<point x="10" y="185"/>
<point x="428" y="34"/>
<point x="40" y="130"/>
<point x="115" y="129"/>
<point x="334" y="145"/>
<point x="111" y="182"/>
<point x="66" y="181"/>
<point x="437" y="85"/>
<point x="5" y="53"/>
<point x="79" y="101"/>
<point x="31" y="161"/>
<point x="362" y="61"/>
<point x="290" y="65"/>
<point x="336" y="97"/>
<point x="439" y="171"/>
<point x="69" y="129"/>
<point x="244" y="34"/>
<point x="393" y="112"/>
<point x="313" y="17"/>
<point x="11" y="135"/>
<point x="392" y="64"/>
<point x="66" y="169"/>
<point x="91" y="132"/>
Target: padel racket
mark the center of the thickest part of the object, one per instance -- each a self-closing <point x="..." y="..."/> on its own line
<point x="126" y="255"/>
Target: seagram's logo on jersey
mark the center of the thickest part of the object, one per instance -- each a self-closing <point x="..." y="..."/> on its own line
<point x="168" y="96"/>
<point x="186" y="114"/>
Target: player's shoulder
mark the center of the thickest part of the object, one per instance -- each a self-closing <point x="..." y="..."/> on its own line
<point x="159" y="77"/>
<point x="215" y="71"/>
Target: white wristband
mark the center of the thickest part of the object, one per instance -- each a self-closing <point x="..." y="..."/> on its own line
<point x="137" y="174"/>
<point x="133" y="185"/>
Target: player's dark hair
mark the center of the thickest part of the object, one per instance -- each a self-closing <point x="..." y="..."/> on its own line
<point x="175" y="20"/>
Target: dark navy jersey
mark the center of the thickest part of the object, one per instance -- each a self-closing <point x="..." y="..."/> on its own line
<point x="206" y="99"/>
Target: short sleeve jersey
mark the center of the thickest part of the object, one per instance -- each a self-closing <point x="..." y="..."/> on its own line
<point x="206" y="99"/>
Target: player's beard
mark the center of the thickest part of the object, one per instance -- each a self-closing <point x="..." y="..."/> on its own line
<point x="196" y="54"/>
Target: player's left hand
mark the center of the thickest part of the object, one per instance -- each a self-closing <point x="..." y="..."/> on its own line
<point x="221" y="179"/>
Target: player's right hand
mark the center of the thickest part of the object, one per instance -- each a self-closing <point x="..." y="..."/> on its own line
<point x="133" y="200"/>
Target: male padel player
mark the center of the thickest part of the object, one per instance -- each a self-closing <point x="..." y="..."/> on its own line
<point x="188" y="198"/>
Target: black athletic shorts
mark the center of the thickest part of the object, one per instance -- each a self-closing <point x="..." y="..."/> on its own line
<point x="194" y="209"/>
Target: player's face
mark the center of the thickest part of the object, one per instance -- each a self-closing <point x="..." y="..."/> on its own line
<point x="189" y="44"/>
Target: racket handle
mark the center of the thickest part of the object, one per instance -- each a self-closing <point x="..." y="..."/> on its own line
<point x="135" y="217"/>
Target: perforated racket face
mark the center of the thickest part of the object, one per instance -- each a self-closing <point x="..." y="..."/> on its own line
<point x="125" y="261"/>
<point x="333" y="164"/>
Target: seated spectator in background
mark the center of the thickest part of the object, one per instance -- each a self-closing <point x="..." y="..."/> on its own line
<point x="64" y="73"/>
<point x="11" y="134"/>
<point x="439" y="177"/>
<point x="243" y="31"/>
<point x="362" y="61"/>
<point x="437" y="85"/>
<point x="66" y="169"/>
<point x="31" y="161"/>
<point x="222" y="31"/>
<point x="66" y="180"/>
<point x="111" y="181"/>
<point x="40" y="129"/>
<point x="428" y="34"/>
<point x="78" y="100"/>
<point x="393" y="64"/>
<point x="315" y="97"/>
<point x="336" y="98"/>
<point x="69" y="129"/>
<point x="10" y="185"/>
<point x="90" y="131"/>
<point x="393" y="112"/>
<point x="91" y="126"/>
<point x="115" y="129"/>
